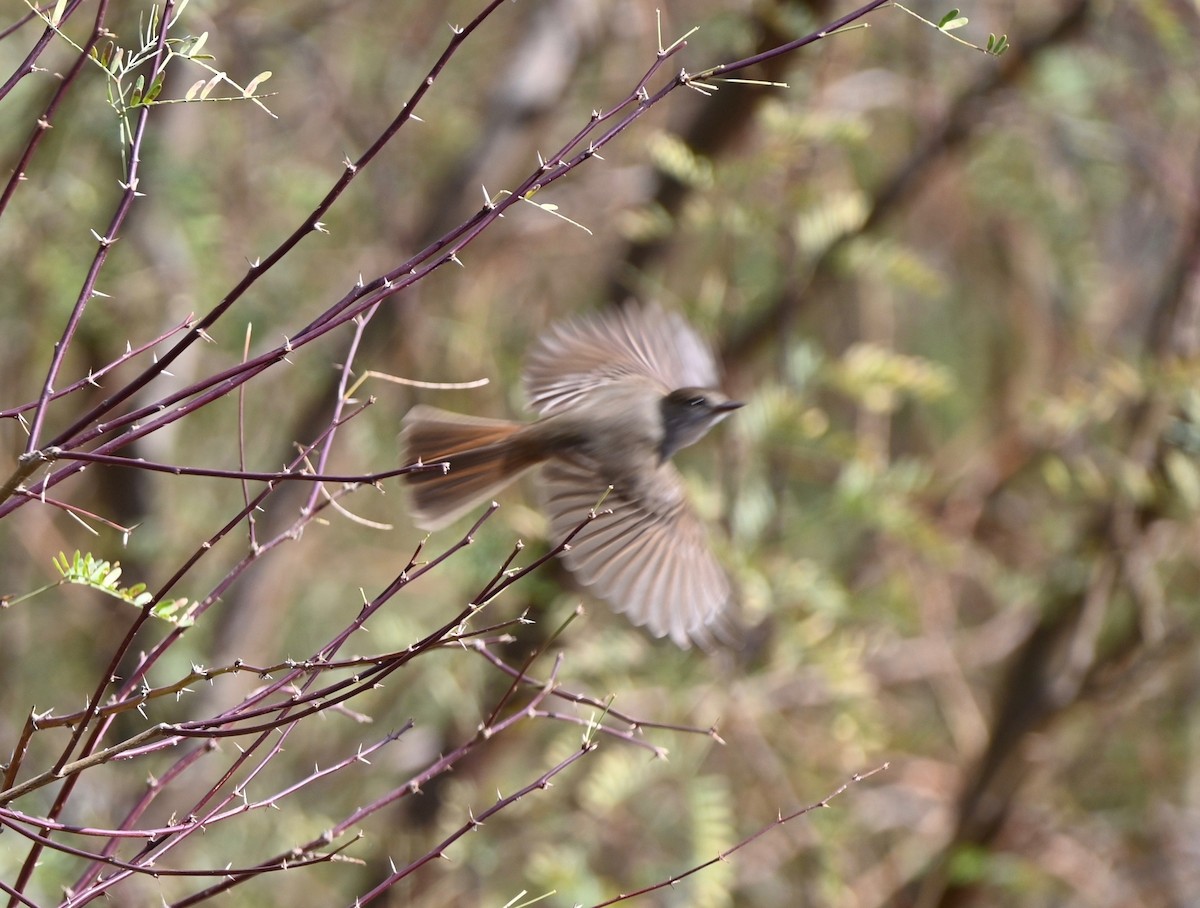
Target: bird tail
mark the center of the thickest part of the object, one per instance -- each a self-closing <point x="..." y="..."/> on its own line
<point x="484" y="455"/>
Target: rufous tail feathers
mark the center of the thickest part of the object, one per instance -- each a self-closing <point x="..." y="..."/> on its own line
<point x="482" y="455"/>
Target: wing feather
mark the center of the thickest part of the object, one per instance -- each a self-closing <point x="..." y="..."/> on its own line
<point x="575" y="356"/>
<point x="650" y="558"/>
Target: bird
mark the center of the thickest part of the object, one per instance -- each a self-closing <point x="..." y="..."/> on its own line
<point x="616" y="395"/>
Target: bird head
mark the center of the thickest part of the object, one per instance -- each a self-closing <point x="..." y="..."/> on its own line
<point x="688" y="414"/>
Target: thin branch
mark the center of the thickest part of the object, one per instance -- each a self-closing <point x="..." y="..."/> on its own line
<point x="112" y="232"/>
<point x="725" y="855"/>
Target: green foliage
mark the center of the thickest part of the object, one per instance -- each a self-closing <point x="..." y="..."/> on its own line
<point x="127" y="67"/>
<point x="673" y="157"/>
<point x="953" y="20"/>
<point x="996" y="44"/>
<point x="103" y="576"/>
<point x="881" y="379"/>
<point x="711" y="807"/>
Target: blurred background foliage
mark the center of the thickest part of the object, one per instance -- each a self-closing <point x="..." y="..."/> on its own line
<point x="959" y="295"/>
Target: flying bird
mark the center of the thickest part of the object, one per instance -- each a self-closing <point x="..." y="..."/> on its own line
<point x="616" y="395"/>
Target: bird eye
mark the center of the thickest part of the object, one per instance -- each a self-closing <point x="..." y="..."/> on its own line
<point x="697" y="401"/>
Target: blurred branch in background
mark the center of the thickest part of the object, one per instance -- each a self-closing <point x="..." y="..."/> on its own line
<point x="955" y="126"/>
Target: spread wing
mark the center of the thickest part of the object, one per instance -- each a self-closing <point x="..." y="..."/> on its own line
<point x="650" y="558"/>
<point x="576" y="355"/>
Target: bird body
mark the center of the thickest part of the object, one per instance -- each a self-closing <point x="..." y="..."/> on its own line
<point x="618" y="395"/>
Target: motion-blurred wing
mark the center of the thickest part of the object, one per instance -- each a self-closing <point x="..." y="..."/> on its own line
<point x="650" y="558"/>
<point x="576" y="355"/>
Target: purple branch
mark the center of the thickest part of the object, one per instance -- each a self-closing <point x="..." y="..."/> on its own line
<point x="308" y="226"/>
<point x="43" y="123"/>
<point x="725" y="855"/>
<point x="110" y="236"/>
<point x="285" y="475"/>
<point x="32" y="14"/>
<point x="103" y="860"/>
<point x="539" y="784"/>
<point x="835" y="26"/>
<point x="157" y="785"/>
<point x="582" y="700"/>
<point x="28" y="65"/>
<point x="92" y="377"/>
<point x="88" y="750"/>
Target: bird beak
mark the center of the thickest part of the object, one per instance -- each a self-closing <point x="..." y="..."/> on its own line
<point x="729" y="406"/>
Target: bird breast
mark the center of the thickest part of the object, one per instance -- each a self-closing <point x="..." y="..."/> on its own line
<point x="617" y="431"/>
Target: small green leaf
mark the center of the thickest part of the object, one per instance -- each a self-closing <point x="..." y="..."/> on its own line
<point x="954" y="23"/>
<point x="172" y="610"/>
<point x="155" y="90"/>
<point x="104" y="576"/>
<point x="949" y="17"/>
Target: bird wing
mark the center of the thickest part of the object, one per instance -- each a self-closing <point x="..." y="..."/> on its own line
<point x="650" y="558"/>
<point x="574" y="356"/>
